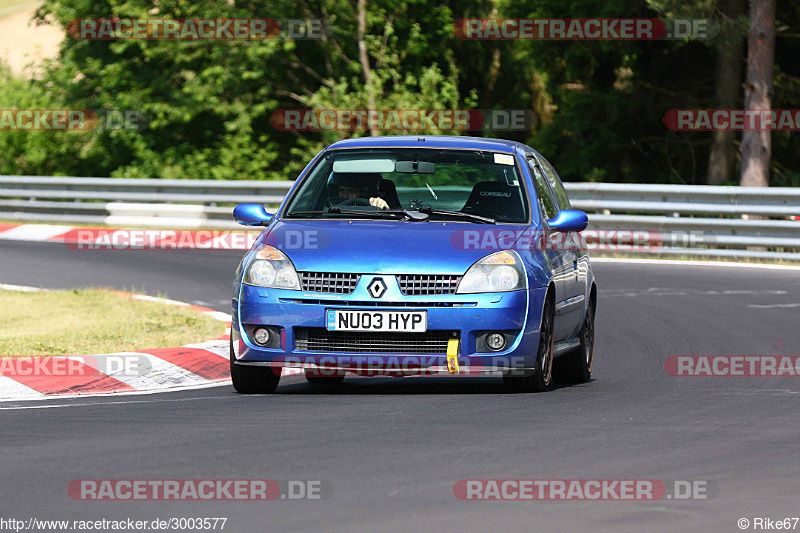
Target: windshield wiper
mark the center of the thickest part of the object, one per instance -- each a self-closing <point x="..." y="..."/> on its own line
<point x="456" y="214"/>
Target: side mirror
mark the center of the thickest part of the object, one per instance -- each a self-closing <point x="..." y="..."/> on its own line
<point x="251" y="215"/>
<point x="569" y="220"/>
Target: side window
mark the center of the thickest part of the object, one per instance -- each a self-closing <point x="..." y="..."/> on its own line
<point x="555" y="184"/>
<point x="543" y="193"/>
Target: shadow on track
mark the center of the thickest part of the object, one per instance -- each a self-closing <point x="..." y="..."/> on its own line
<point x="378" y="386"/>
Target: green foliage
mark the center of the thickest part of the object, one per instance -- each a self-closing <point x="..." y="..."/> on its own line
<point x="35" y="152"/>
<point x="600" y="103"/>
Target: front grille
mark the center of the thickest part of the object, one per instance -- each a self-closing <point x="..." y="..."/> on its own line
<point x="334" y="282"/>
<point x="322" y="340"/>
<point x="425" y="284"/>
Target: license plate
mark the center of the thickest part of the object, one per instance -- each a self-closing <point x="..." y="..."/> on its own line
<point x="401" y="321"/>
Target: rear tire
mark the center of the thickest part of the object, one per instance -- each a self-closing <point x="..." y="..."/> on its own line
<point x="325" y="380"/>
<point x="253" y="379"/>
<point x="576" y="366"/>
<point x="537" y="380"/>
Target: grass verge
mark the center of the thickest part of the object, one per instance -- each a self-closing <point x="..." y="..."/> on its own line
<point x="84" y="322"/>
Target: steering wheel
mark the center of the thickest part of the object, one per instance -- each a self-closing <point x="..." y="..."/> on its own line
<point x="357" y="202"/>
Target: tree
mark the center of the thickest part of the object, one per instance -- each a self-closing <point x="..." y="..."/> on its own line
<point x="211" y="101"/>
<point x="601" y="103"/>
<point x="757" y="144"/>
<point x="43" y="153"/>
<point x="721" y="159"/>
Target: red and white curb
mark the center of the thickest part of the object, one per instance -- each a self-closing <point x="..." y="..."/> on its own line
<point x="86" y="238"/>
<point x="191" y="366"/>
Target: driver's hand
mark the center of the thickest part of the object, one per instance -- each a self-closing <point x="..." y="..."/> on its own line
<point x="378" y="202"/>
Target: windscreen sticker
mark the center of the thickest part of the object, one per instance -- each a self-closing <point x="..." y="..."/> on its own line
<point x="503" y="159"/>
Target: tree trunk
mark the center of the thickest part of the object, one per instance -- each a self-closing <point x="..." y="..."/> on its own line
<point x="364" y="59"/>
<point x="721" y="160"/>
<point x="757" y="145"/>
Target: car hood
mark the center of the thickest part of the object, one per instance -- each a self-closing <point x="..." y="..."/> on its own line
<point x="387" y="246"/>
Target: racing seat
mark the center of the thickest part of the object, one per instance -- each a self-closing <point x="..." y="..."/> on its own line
<point x="495" y="199"/>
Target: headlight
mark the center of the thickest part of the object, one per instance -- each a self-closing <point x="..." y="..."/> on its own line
<point x="497" y="272"/>
<point x="270" y="267"/>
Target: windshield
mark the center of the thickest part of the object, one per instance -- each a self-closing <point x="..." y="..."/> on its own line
<point x="346" y="183"/>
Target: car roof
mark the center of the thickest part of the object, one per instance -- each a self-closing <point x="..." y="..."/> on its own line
<point x="429" y="141"/>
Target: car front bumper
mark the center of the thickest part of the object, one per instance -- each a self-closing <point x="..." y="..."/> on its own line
<point x="464" y="317"/>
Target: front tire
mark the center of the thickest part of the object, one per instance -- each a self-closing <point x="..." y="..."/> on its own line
<point x="576" y="366"/>
<point x="538" y="380"/>
<point x="253" y="379"/>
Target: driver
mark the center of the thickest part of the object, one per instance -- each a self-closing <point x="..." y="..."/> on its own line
<point x="343" y="187"/>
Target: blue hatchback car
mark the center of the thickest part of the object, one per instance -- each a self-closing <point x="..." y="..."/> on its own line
<point x="406" y="255"/>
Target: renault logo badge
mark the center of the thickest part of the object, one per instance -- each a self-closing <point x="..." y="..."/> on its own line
<point x="377" y="288"/>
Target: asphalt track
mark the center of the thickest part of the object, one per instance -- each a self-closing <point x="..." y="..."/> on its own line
<point x="392" y="449"/>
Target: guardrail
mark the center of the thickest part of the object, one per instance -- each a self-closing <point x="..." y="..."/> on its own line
<point x="691" y="220"/>
<point x="697" y="220"/>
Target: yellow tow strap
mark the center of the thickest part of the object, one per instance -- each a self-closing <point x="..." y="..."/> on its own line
<point x="452" y="356"/>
